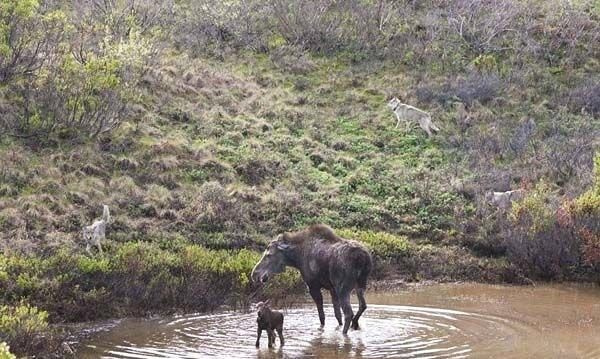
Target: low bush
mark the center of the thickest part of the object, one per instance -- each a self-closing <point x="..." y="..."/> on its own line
<point x="24" y="329"/>
<point x="536" y="242"/>
<point x="132" y="278"/>
<point x="5" y="352"/>
<point x="475" y="87"/>
<point x="585" y="97"/>
<point x="383" y="245"/>
<point x="388" y="250"/>
<point x="584" y="216"/>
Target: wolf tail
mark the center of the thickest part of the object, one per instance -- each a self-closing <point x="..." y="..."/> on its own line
<point x="105" y="214"/>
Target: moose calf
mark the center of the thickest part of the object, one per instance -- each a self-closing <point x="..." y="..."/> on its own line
<point x="269" y="320"/>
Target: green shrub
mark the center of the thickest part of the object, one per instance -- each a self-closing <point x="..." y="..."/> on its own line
<point x="23" y="327"/>
<point x="5" y="352"/>
<point x="383" y="245"/>
<point x="584" y="215"/>
<point x="535" y="209"/>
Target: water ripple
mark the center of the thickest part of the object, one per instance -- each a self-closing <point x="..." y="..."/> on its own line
<point x="387" y="331"/>
<point x="484" y="322"/>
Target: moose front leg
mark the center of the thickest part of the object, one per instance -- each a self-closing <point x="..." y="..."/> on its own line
<point x="315" y="293"/>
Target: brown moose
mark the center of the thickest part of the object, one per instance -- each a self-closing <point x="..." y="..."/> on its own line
<point x="269" y="320"/>
<point x="324" y="261"/>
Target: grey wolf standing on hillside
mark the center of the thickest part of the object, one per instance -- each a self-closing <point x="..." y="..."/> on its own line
<point x="95" y="233"/>
<point x="410" y="114"/>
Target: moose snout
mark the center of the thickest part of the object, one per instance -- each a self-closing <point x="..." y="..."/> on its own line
<point x="257" y="276"/>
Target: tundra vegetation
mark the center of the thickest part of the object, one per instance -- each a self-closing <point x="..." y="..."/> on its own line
<point x="209" y="126"/>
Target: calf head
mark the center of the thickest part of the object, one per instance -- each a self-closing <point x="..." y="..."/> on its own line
<point x="262" y="309"/>
<point x="273" y="260"/>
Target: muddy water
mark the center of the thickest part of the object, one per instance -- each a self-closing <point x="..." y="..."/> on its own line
<point x="438" y="321"/>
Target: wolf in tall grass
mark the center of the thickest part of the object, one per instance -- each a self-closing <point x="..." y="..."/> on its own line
<point x="95" y="233"/>
<point x="411" y="114"/>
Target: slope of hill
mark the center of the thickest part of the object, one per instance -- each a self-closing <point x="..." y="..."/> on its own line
<point x="229" y="139"/>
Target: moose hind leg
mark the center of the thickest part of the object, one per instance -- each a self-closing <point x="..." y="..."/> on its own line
<point x="280" y="334"/>
<point x="362" y="306"/>
<point x="347" y="308"/>
<point x="336" y="306"/>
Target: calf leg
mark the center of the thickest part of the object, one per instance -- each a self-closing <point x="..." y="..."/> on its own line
<point x="336" y="306"/>
<point x="271" y="336"/>
<point x="258" y="333"/>
<point x="362" y="305"/>
<point x="280" y="333"/>
<point x="315" y="293"/>
<point x="347" y="308"/>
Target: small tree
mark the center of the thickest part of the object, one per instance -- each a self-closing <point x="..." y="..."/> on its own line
<point x="28" y="37"/>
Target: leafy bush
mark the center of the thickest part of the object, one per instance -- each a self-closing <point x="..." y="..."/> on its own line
<point x="84" y="82"/>
<point x="535" y="210"/>
<point x="27" y="31"/>
<point x="24" y="328"/>
<point x="5" y="352"/>
<point x="383" y="245"/>
<point x="132" y="278"/>
<point x="585" y="217"/>
<point x="536" y="240"/>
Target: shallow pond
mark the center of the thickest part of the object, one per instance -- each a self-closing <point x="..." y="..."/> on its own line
<point x="437" y="321"/>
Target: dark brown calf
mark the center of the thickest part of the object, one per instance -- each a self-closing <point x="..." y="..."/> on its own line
<point x="269" y="320"/>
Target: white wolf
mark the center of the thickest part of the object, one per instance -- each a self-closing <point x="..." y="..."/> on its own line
<point x="95" y="233"/>
<point x="410" y="114"/>
<point x="503" y="200"/>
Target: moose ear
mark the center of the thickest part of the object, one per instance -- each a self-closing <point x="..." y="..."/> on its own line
<point x="267" y="302"/>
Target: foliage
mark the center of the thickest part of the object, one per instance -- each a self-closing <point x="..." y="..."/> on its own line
<point x="81" y="83"/>
<point x="383" y="245"/>
<point x="535" y="209"/>
<point x="134" y="277"/>
<point x="26" y="32"/>
<point x="23" y="327"/>
<point x="5" y="352"/>
<point x="584" y="217"/>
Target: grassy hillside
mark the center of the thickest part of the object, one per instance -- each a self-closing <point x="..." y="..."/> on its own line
<point x="207" y="137"/>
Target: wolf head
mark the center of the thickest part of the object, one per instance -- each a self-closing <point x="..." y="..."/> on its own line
<point x="394" y="103"/>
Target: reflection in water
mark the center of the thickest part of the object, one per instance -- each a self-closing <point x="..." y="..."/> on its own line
<point x="442" y="321"/>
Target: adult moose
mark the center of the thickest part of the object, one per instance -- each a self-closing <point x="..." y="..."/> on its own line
<point x="324" y="261"/>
